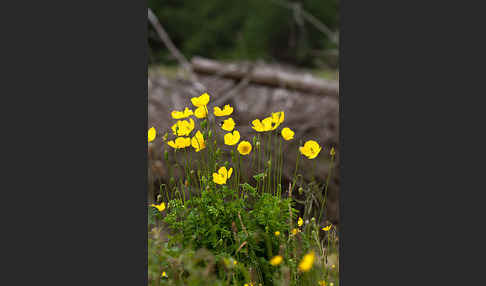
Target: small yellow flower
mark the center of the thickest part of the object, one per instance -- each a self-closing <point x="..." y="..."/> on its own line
<point x="287" y="134"/>
<point x="201" y="112"/>
<point x="202" y="100"/>
<point x="300" y="222"/>
<point x="180" y="142"/>
<point x="333" y="266"/>
<point x="198" y="141"/>
<point x="228" y="124"/>
<point x="307" y="262"/>
<point x="262" y="126"/>
<point x="327" y="228"/>
<point x="160" y="206"/>
<point x="331" y="284"/>
<point x="222" y="176"/>
<point x="276" y="260"/>
<point x="322" y="283"/>
<point x="152" y="133"/>
<point x="232" y="138"/>
<point x="164" y="274"/>
<point x="277" y="119"/>
<point x="181" y="114"/>
<point x="310" y="149"/>
<point x="295" y="231"/>
<point x="235" y="262"/>
<point x="183" y="127"/>
<point x="244" y="148"/>
<point x="333" y="152"/>
<point x="227" y="110"/>
<point x="277" y="233"/>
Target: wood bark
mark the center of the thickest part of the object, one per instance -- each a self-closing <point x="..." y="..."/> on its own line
<point x="266" y="75"/>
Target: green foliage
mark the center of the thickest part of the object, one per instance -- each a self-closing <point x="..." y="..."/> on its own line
<point x="253" y="29"/>
<point x="219" y="228"/>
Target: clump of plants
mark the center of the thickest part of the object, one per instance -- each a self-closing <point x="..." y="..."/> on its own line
<point x="224" y="217"/>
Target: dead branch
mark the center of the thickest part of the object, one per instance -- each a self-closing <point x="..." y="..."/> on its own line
<point x="268" y="76"/>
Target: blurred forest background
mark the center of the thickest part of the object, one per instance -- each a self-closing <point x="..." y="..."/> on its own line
<point x="302" y="33"/>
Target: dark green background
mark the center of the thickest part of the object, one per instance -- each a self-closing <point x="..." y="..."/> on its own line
<point x="253" y="29"/>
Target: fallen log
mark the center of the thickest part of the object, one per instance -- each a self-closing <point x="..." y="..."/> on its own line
<point x="266" y="75"/>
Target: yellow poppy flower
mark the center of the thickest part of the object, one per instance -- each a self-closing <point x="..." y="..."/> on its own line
<point x="333" y="152"/>
<point x="235" y="262"/>
<point x="164" y="274"/>
<point x="310" y="149"/>
<point x="228" y="124"/>
<point x="201" y="112"/>
<point x="180" y="142"/>
<point x="267" y="123"/>
<point x="244" y="148"/>
<point x="183" y="127"/>
<point x="222" y="176"/>
<point x="227" y="110"/>
<point x="322" y="283"/>
<point x="181" y="114"/>
<point x="277" y="119"/>
<point x="201" y="100"/>
<point x="327" y="228"/>
<point x="300" y="222"/>
<point x="198" y="141"/>
<point x="276" y="260"/>
<point x="287" y="134"/>
<point x="295" y="231"/>
<point x="152" y="133"/>
<point x="307" y="262"/>
<point x="277" y="233"/>
<point x="160" y="206"/>
<point x="257" y="125"/>
<point x="232" y="138"/>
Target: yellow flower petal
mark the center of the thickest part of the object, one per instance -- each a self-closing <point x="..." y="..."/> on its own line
<point x="201" y="112"/>
<point x="276" y="260"/>
<point x="202" y="100"/>
<point x="300" y="222"/>
<point x="228" y="124"/>
<point x="307" y="262"/>
<point x="277" y="119"/>
<point x="327" y="228"/>
<point x="227" y="110"/>
<point x="152" y="133"/>
<point x="232" y="138"/>
<point x="287" y="134"/>
<point x="180" y="142"/>
<point x="172" y="144"/>
<point x="181" y="114"/>
<point x="277" y="233"/>
<point x="160" y="206"/>
<point x="267" y="124"/>
<point x="198" y="141"/>
<point x="244" y="148"/>
<point x="257" y="125"/>
<point x="333" y="152"/>
<point x="310" y="149"/>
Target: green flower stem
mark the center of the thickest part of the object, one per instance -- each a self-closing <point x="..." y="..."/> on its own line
<point x="324" y="199"/>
